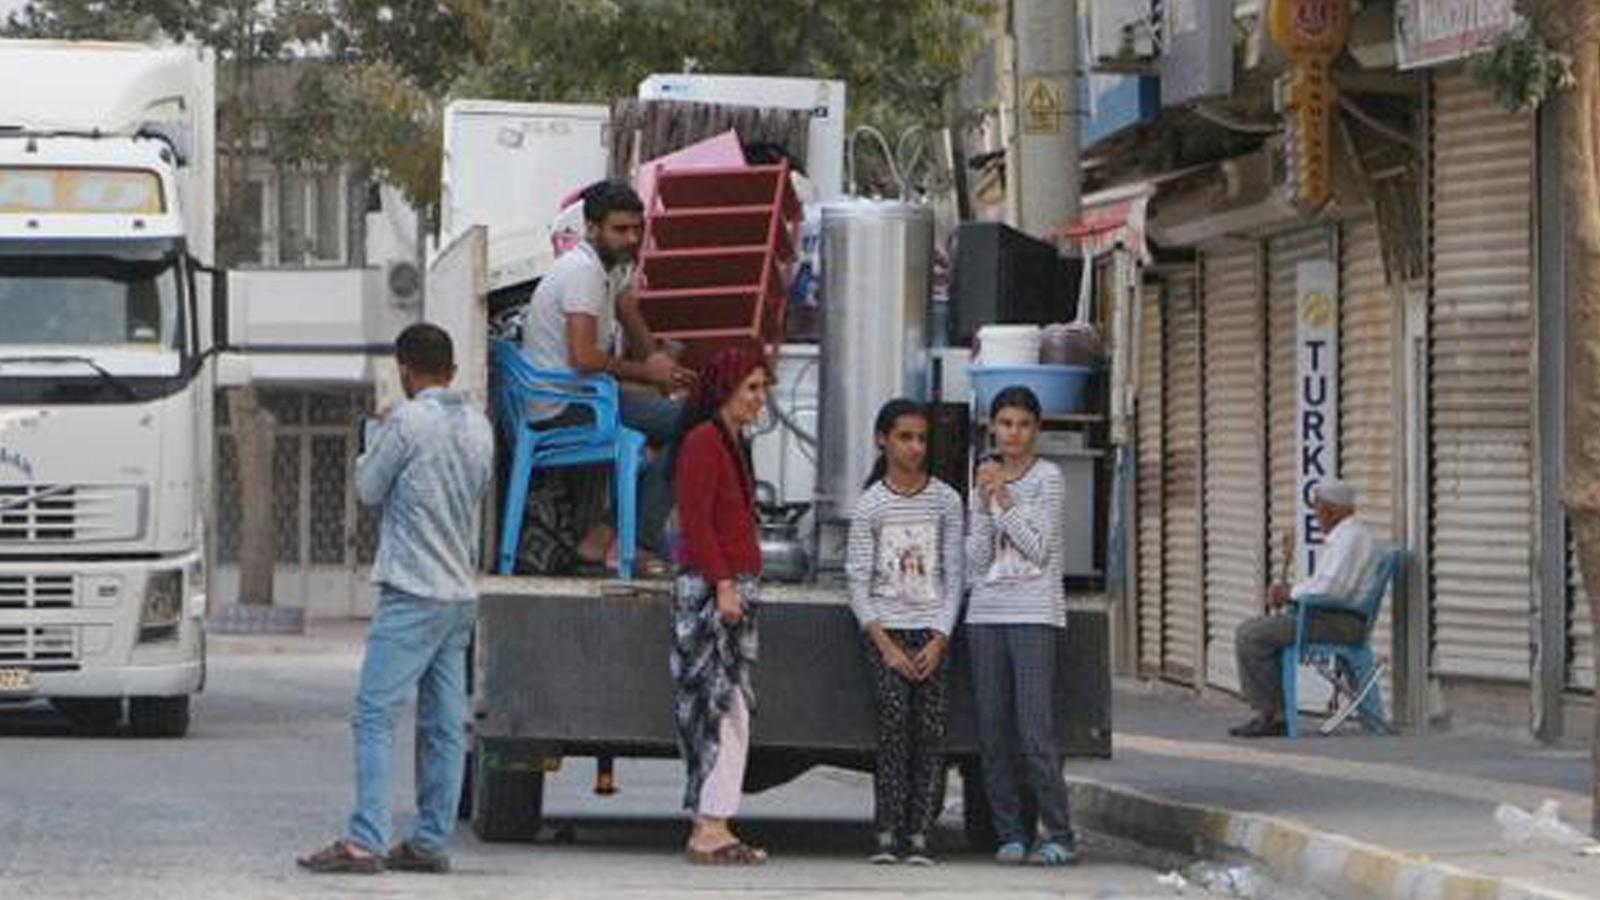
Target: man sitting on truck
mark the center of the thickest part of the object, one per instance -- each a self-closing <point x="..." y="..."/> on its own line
<point x="573" y="322"/>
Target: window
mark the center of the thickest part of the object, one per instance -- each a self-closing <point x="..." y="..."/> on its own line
<point x="310" y="219"/>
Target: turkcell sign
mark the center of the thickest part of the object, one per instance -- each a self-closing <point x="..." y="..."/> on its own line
<point x="1317" y="435"/>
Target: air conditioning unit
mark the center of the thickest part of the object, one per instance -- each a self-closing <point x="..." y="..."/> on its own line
<point x="1122" y="33"/>
<point x="404" y="279"/>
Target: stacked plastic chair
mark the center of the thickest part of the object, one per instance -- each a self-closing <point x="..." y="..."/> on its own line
<point x="718" y="247"/>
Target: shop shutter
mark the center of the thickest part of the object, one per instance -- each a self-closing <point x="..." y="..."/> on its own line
<point x="1150" y="423"/>
<point x="1285" y="253"/>
<point x="1181" y="614"/>
<point x="1481" y="392"/>
<point x="1235" y="452"/>
<point x="1580" y="625"/>
<point x="1367" y="416"/>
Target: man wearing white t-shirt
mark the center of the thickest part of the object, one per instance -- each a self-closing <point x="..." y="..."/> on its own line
<point x="583" y="318"/>
<point x="1343" y="567"/>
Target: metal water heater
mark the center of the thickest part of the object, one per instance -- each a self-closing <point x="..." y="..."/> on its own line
<point x="877" y="259"/>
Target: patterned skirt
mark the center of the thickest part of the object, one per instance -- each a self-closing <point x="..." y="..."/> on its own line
<point x="710" y="660"/>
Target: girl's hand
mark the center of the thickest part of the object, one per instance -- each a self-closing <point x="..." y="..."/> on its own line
<point x="931" y="655"/>
<point x="1001" y="497"/>
<point x="989" y="480"/>
<point x="893" y="656"/>
<point x="730" y="608"/>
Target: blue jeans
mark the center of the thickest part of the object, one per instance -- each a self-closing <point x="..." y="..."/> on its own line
<point x="413" y="643"/>
<point x="657" y="418"/>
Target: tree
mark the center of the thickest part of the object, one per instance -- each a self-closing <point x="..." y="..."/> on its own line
<point x="1571" y="29"/>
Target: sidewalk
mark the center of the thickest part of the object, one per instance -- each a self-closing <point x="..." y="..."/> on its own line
<point x="1351" y="814"/>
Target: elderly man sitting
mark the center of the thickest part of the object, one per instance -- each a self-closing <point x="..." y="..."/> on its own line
<point x="1342" y="569"/>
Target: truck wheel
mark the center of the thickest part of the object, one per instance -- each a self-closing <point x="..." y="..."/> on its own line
<point x="977" y="818"/>
<point x="159" y="717"/>
<point x="507" y="792"/>
<point x="91" y="716"/>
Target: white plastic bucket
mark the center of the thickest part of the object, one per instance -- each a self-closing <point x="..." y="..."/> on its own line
<point x="1007" y="345"/>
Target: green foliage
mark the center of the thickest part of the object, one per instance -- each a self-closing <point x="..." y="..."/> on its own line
<point x="384" y="68"/>
<point x="1522" y="70"/>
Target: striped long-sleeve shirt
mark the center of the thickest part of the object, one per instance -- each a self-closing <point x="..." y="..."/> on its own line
<point x="1014" y="555"/>
<point x="904" y="557"/>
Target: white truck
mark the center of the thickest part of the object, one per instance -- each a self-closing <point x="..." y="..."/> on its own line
<point x="107" y="365"/>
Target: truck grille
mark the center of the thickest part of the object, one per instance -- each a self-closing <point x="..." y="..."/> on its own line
<point x="39" y="646"/>
<point x="37" y="592"/>
<point x="67" y="512"/>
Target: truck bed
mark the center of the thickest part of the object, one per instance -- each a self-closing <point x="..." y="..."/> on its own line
<point x="580" y="666"/>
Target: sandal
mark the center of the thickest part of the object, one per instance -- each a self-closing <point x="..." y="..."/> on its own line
<point x="737" y="853"/>
<point x="336" y="859"/>
<point x="1054" y="853"/>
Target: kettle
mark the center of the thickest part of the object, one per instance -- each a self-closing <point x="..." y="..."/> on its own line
<point x="783" y="552"/>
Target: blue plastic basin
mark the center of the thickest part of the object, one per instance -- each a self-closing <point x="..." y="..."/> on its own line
<point x="1060" y="389"/>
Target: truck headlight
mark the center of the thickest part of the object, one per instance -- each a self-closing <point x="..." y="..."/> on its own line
<point x="163" y="606"/>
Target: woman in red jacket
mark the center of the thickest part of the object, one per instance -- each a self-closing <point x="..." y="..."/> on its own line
<point x="714" y="599"/>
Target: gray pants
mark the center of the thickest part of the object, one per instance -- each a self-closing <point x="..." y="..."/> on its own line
<point x="1259" y="641"/>
<point x="1013" y="677"/>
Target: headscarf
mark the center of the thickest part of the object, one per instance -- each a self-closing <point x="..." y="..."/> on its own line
<point x="723" y="375"/>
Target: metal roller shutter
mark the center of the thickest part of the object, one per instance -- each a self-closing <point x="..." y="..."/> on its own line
<point x="1580" y="626"/>
<point x="1481" y="391"/>
<point x="1149" y="480"/>
<point x="1180" y="641"/>
<point x="1235" y="452"/>
<point x="1367" y="391"/>
<point x="1284" y="255"/>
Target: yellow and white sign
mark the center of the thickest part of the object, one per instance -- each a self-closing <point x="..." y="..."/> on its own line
<point x="1312" y="33"/>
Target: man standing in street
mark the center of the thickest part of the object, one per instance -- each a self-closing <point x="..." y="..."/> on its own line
<point x="428" y="466"/>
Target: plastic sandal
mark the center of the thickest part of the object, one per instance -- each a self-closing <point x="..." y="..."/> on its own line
<point x="1054" y="853"/>
<point x="737" y="853"/>
<point x="1011" y="853"/>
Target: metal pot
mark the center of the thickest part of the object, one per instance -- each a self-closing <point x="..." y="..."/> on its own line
<point x="783" y="551"/>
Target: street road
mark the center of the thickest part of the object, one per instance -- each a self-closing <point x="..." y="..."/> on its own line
<point x="266" y="774"/>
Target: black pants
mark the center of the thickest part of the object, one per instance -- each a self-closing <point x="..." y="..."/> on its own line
<point x="911" y="720"/>
<point x="1013" y="677"/>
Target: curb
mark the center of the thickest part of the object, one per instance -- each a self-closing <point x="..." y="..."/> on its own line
<point x="1295" y="854"/>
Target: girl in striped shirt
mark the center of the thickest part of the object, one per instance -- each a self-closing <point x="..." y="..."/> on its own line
<point x="1015" y="619"/>
<point x="905" y="569"/>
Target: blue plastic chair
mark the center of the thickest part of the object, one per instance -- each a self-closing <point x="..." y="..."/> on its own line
<point x="517" y="386"/>
<point x="1358" y="657"/>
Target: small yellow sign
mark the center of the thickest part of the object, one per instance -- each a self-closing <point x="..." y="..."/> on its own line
<point x="1042" y="106"/>
<point x="1318" y="311"/>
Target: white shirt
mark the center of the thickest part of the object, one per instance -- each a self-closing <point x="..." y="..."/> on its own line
<point x="1343" y="564"/>
<point x="578" y="283"/>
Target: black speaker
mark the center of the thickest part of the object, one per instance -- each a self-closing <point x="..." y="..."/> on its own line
<point x="1001" y="276"/>
<point x="950" y="443"/>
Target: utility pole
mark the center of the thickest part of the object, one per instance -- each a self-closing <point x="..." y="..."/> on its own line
<point x="1042" y="165"/>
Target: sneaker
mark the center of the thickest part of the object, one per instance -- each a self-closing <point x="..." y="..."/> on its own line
<point x="1011" y="853"/>
<point x="886" y="854"/>
<point x="405" y="857"/>
<point x="1054" y="853"/>
<point x="917" y="851"/>
<point x="338" y="859"/>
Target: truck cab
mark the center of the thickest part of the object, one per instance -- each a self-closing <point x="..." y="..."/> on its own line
<point x="106" y="379"/>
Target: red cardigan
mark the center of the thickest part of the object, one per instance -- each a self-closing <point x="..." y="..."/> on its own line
<point x="716" y="507"/>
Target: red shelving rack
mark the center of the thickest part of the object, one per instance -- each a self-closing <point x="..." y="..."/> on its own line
<point x="713" y="268"/>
